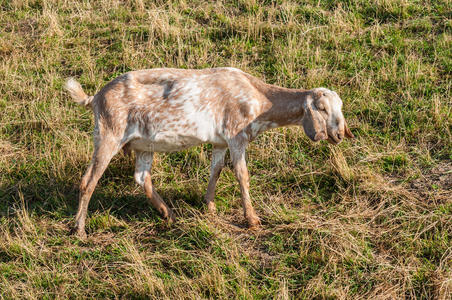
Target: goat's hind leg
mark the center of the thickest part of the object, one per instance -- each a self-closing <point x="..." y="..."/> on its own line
<point x="104" y="150"/>
<point x="142" y="176"/>
<point x="216" y="166"/>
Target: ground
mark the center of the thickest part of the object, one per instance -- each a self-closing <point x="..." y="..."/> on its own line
<point x="369" y="218"/>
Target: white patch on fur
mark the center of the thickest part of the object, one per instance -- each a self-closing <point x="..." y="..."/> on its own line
<point x="143" y="165"/>
<point x="192" y="125"/>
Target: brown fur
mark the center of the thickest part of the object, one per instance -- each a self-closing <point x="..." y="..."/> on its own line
<point x="161" y="110"/>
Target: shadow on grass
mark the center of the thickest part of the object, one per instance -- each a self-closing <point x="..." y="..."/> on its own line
<point x="116" y="192"/>
<point x="118" y="195"/>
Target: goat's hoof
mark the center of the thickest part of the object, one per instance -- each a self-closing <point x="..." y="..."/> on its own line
<point x="254" y="223"/>
<point x="167" y="214"/>
<point x="80" y="233"/>
<point x="211" y="208"/>
<point x="170" y="218"/>
<point x="254" y="227"/>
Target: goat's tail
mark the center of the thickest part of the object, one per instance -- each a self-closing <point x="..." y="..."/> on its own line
<point x="75" y="90"/>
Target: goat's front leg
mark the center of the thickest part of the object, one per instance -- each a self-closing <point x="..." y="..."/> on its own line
<point x="142" y="176"/>
<point x="237" y="148"/>
<point x="216" y="166"/>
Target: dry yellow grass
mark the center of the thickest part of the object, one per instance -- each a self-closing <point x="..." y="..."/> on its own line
<point x="370" y="218"/>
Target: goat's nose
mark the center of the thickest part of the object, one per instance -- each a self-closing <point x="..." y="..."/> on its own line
<point x="320" y="136"/>
<point x="340" y="136"/>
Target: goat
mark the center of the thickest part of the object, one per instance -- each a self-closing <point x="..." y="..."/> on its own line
<point x="164" y="110"/>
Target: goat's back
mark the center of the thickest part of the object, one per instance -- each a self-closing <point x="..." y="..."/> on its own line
<point x="186" y="107"/>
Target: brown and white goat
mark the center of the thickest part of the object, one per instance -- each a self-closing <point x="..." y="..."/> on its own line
<point x="164" y="110"/>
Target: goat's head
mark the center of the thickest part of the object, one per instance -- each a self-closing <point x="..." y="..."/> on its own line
<point x="323" y="118"/>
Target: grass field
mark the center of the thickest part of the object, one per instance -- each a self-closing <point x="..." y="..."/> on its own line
<point x="369" y="218"/>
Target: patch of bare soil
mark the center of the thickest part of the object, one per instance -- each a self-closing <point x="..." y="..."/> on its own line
<point x="436" y="183"/>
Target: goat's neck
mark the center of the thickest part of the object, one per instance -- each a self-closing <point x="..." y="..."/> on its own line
<point x="286" y="105"/>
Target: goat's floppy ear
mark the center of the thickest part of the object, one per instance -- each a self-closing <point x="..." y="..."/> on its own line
<point x="347" y="131"/>
<point x="313" y="124"/>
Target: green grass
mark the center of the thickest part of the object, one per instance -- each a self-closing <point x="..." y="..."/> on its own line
<point x="370" y="218"/>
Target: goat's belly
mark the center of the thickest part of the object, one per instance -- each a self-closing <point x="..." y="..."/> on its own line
<point x="171" y="142"/>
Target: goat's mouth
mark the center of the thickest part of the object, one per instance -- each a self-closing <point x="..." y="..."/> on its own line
<point x="320" y="136"/>
<point x="333" y="140"/>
